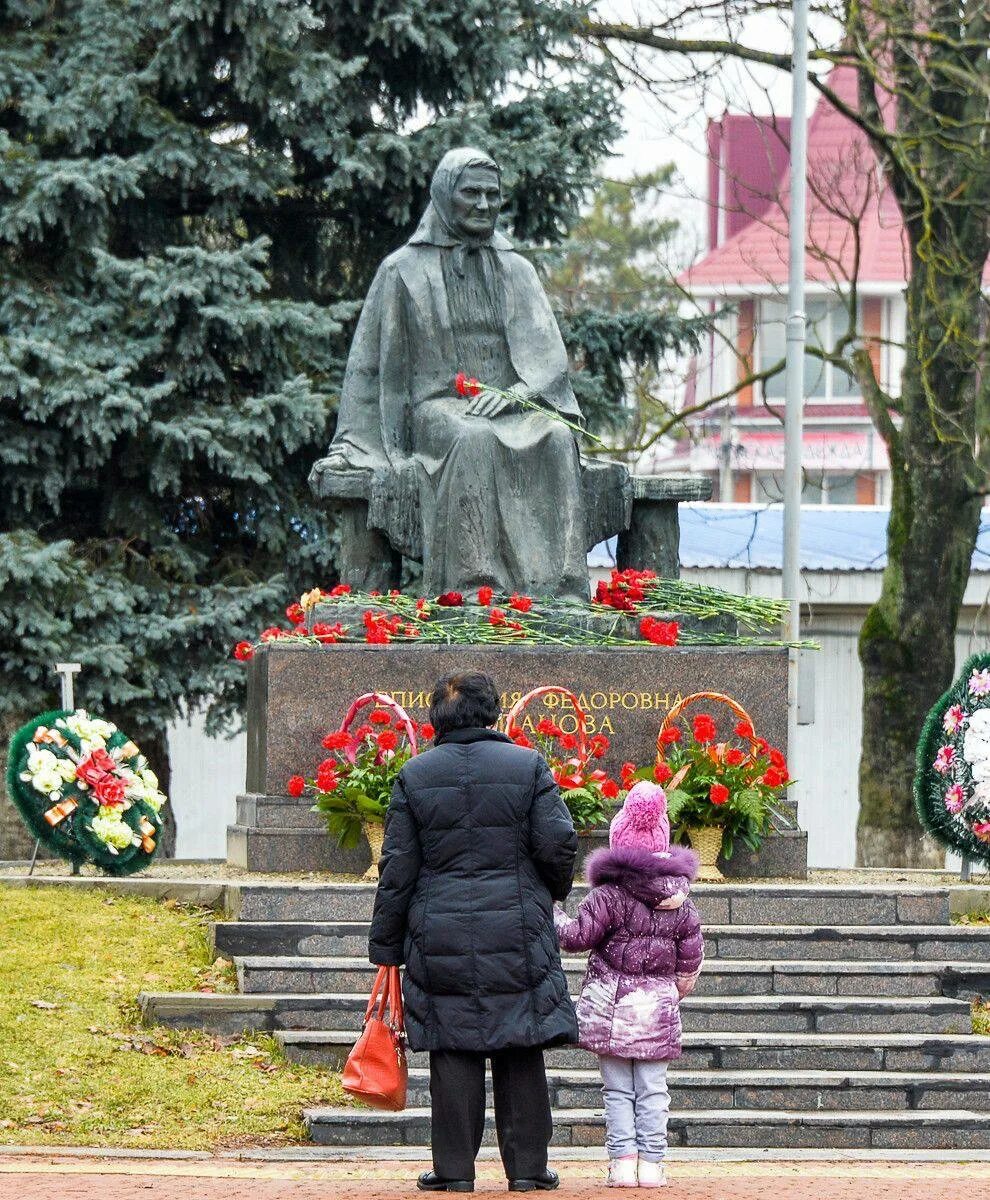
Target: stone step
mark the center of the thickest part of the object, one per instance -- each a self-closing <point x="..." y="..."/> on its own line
<point x="881" y="943"/>
<point x="719" y="904"/>
<point x="720" y="977"/>
<point x="871" y="1130"/>
<point x="727" y="1051"/>
<point x="808" y="1091"/>
<point x="730" y="1014"/>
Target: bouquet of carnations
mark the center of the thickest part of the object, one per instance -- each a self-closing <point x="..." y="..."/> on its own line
<point x="590" y="794"/>
<point x="730" y="783"/>
<point x="353" y="784"/>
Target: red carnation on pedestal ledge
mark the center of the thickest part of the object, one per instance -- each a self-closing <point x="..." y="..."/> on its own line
<point x="660" y="633"/>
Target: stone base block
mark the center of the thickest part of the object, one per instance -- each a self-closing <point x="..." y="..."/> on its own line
<point x="783" y="855"/>
<point x="273" y="850"/>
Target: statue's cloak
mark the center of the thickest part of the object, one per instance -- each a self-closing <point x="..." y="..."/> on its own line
<point x="404" y="351"/>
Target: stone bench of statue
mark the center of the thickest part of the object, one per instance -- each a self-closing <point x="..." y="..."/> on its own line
<point x="379" y="525"/>
<point x="484" y="489"/>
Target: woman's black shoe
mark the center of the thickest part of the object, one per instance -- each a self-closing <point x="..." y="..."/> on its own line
<point x="429" y="1181"/>
<point x="543" y="1183"/>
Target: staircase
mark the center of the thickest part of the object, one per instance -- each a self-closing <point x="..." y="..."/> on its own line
<point x="834" y="1017"/>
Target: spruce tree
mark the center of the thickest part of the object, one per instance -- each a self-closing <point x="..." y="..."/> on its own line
<point x="193" y="198"/>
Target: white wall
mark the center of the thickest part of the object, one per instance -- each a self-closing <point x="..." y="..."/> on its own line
<point x="207" y="775"/>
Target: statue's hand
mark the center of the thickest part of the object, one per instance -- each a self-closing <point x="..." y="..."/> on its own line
<point x="336" y="460"/>
<point x="491" y="404"/>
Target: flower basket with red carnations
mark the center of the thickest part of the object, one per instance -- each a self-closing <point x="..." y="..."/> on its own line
<point x="353" y="784"/>
<point x="717" y="791"/>
<point x="590" y="795"/>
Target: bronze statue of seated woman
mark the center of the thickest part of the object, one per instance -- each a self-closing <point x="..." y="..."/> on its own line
<point x="497" y="490"/>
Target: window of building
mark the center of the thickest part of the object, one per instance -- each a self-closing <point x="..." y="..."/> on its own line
<point x="828" y="321"/>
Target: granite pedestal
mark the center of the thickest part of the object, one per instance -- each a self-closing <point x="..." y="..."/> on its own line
<point x="296" y="694"/>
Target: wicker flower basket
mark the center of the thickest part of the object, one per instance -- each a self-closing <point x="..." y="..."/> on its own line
<point x="374" y="831"/>
<point x="705" y="839"/>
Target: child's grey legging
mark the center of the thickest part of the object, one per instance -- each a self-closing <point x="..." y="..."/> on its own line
<point x="636" y="1105"/>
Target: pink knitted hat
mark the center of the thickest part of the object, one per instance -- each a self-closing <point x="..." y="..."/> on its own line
<point x="642" y="822"/>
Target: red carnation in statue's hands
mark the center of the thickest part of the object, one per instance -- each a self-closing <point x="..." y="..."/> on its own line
<point x="704" y="728"/>
<point x="338" y="740"/>
<point x="243" y="651"/>
<point x="450" y="599"/>
<point x="466" y="385"/>
<point x="485" y="595"/>
<point x="296" y="786"/>
<point x="718" y="793"/>
<point x="388" y="739"/>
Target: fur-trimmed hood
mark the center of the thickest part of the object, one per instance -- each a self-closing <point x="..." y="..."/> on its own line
<point x="658" y="880"/>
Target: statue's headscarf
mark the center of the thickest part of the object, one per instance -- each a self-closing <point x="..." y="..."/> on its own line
<point x="438" y="227"/>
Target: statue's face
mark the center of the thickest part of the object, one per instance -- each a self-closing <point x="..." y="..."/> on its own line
<point x="476" y="202"/>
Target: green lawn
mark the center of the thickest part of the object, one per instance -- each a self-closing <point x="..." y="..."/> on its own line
<point x="77" y="1067"/>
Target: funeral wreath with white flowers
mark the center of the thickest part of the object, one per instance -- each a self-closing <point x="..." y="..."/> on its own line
<point x="85" y="789"/>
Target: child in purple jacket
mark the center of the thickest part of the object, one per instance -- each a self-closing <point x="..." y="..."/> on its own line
<point x="644" y="935"/>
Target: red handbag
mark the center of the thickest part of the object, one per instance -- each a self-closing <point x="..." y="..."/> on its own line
<point x="376" y="1070"/>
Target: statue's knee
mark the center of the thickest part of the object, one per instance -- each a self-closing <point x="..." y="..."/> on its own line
<point x="476" y="436"/>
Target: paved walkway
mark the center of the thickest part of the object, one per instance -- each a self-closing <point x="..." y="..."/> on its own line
<point x="43" y="1178"/>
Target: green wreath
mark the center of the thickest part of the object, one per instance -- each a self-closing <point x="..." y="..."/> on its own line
<point x="86" y="791"/>
<point x="952" y="780"/>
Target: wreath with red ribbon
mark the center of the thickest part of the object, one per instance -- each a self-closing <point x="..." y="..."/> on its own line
<point x="86" y="791"/>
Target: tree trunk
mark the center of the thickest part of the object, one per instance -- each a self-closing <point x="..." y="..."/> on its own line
<point x="907" y="643"/>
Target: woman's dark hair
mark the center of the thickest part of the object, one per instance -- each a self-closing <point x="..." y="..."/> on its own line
<point x="467" y="700"/>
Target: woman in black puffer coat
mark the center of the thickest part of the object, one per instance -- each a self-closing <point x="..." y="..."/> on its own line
<point x="478" y="845"/>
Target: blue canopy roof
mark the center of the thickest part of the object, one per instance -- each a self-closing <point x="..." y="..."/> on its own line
<point x="833" y="538"/>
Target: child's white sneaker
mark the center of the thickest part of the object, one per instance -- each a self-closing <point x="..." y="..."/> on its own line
<point x="651" y="1174"/>
<point x="622" y="1172"/>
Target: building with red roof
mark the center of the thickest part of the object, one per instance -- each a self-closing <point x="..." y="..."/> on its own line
<point x="855" y="271"/>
